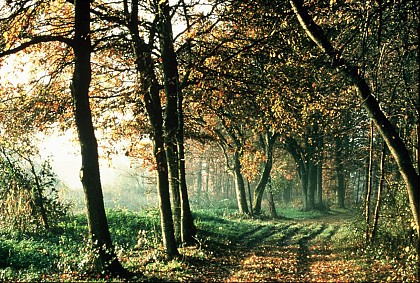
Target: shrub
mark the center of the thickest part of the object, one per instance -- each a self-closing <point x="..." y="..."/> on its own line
<point x="29" y="198"/>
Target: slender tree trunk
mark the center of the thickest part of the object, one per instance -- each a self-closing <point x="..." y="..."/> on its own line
<point x="287" y="193"/>
<point x="89" y="173"/>
<point x="259" y="190"/>
<point x="369" y="183"/>
<point x="357" y="202"/>
<point x="312" y="183"/>
<point x="228" y="185"/>
<point x="388" y="132"/>
<point x="150" y="95"/>
<point x="341" y="177"/>
<point x="301" y="166"/>
<point x="206" y="191"/>
<point x="304" y="185"/>
<point x="319" y="202"/>
<point x="171" y="84"/>
<point x="250" y="197"/>
<point x="172" y="159"/>
<point x="188" y="229"/>
<point x="379" y="196"/>
<point x="239" y="185"/>
<point x="39" y="198"/>
<point x="271" y="203"/>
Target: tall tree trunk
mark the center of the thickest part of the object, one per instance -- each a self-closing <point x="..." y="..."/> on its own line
<point x="228" y="185"/>
<point x="379" y="195"/>
<point x="172" y="159"/>
<point x="318" y="201"/>
<point x="287" y="193"/>
<point x="150" y="95"/>
<point x="312" y="183"/>
<point x="250" y="197"/>
<point x="341" y="176"/>
<point x="271" y="203"/>
<point x="388" y="132"/>
<point x="294" y="149"/>
<point x="170" y="67"/>
<point x="89" y="174"/>
<point x="304" y="184"/>
<point x="171" y="84"/>
<point x="369" y="183"/>
<point x="269" y="141"/>
<point x="239" y="184"/>
<point x="357" y="202"/>
<point x="188" y="229"/>
<point x="206" y="187"/>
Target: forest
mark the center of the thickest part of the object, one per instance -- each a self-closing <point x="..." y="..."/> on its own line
<point x="216" y="140"/>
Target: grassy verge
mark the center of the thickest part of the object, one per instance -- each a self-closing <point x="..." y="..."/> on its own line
<point x="225" y="240"/>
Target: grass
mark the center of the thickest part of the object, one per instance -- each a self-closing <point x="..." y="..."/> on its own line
<point x="224" y="238"/>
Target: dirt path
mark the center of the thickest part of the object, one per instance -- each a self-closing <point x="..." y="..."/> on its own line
<point x="282" y="251"/>
<point x="287" y="250"/>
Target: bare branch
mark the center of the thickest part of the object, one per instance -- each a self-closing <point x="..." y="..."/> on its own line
<point x="37" y="40"/>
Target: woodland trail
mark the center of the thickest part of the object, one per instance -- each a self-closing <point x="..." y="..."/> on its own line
<point x="286" y="250"/>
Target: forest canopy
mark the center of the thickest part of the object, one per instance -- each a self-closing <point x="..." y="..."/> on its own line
<point x="253" y="105"/>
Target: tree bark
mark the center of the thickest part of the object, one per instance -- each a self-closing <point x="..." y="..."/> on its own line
<point x="271" y="203"/>
<point x="319" y="201"/>
<point x="340" y="171"/>
<point x="312" y="182"/>
<point x="270" y="140"/>
<point x="171" y="85"/>
<point x="174" y="127"/>
<point x="248" y="183"/>
<point x="295" y="150"/>
<point x="379" y="196"/>
<point x="369" y="175"/>
<point x="239" y="184"/>
<point x="388" y="132"/>
<point x="237" y="166"/>
<point x="89" y="173"/>
<point x="150" y="95"/>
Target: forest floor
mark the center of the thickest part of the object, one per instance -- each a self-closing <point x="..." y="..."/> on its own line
<point x="285" y="250"/>
<point x="298" y="247"/>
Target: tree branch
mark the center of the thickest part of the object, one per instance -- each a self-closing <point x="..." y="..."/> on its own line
<point x="34" y="41"/>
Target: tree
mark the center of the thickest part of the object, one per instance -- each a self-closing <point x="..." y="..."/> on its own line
<point x="355" y="75"/>
<point x="161" y="71"/>
<point x="268" y="141"/>
<point x="236" y="145"/>
<point x="174" y="127"/>
<point x="149" y="93"/>
<point x="90" y="176"/>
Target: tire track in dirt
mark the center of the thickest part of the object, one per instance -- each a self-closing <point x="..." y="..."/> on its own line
<point x="290" y="232"/>
<point x="281" y="254"/>
<point x="262" y="250"/>
<point x="303" y="256"/>
<point x="261" y="234"/>
<point x="277" y="251"/>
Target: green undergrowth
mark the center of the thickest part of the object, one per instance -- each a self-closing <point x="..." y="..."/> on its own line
<point x="223" y="237"/>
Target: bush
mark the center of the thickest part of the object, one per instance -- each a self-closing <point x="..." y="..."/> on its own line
<point x="29" y="200"/>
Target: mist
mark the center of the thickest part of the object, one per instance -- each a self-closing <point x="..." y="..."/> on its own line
<point x="125" y="183"/>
